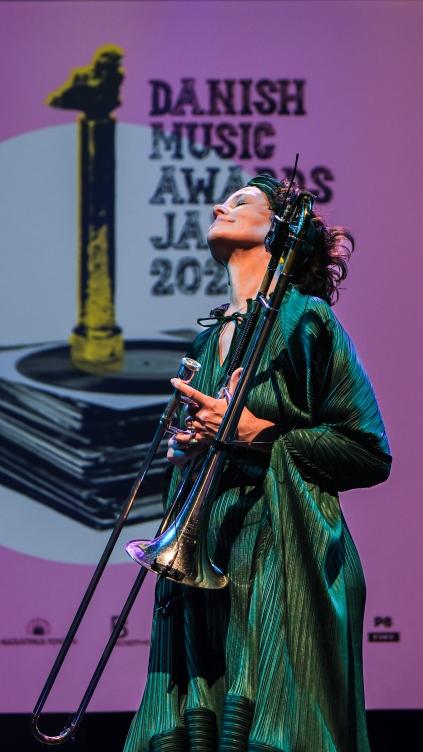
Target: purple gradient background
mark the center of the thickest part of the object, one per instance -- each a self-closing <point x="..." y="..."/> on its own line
<point x="363" y="65"/>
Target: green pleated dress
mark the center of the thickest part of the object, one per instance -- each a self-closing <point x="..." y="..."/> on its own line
<point x="274" y="661"/>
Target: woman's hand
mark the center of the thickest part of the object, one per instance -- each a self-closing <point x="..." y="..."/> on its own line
<point x="180" y="451"/>
<point x="206" y="414"/>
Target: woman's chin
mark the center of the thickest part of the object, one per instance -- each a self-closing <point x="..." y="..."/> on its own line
<point x="218" y="245"/>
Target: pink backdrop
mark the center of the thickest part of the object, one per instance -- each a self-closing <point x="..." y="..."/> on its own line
<point x="362" y="64"/>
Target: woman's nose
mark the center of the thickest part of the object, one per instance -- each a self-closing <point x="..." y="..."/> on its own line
<point x="220" y="209"/>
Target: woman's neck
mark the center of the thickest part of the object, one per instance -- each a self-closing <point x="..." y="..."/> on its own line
<point x="246" y="270"/>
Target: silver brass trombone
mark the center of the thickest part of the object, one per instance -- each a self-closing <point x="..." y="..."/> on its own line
<point x="178" y="551"/>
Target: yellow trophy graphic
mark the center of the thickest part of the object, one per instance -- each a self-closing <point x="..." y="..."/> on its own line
<point x="97" y="344"/>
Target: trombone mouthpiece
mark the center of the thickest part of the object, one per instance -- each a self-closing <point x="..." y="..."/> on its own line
<point x="188" y="368"/>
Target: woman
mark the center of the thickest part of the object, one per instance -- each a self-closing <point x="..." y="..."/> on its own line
<point x="272" y="662"/>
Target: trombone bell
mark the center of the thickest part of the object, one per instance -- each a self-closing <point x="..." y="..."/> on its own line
<point x="178" y="557"/>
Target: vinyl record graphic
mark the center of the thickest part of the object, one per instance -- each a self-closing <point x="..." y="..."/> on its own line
<point x="70" y="441"/>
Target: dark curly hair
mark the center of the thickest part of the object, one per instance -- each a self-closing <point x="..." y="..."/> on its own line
<point x="327" y="265"/>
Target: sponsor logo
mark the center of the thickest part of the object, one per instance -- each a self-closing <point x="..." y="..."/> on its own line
<point x="38" y="631"/>
<point x="387" y="622"/>
<point x="122" y="639"/>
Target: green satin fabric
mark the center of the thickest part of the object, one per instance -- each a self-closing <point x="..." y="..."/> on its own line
<point x="283" y="642"/>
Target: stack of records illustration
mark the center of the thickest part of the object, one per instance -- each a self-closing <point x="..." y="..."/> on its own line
<point x="75" y="441"/>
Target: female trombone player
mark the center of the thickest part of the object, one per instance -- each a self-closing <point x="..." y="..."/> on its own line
<point x="273" y="662"/>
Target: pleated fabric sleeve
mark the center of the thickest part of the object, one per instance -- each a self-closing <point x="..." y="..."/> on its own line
<point x="344" y="444"/>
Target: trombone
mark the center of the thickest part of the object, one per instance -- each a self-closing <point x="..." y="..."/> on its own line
<point x="179" y="552"/>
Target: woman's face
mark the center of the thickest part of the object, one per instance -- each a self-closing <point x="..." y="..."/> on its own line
<point x="242" y="222"/>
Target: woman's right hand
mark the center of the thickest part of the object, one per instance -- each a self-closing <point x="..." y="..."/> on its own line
<point x="180" y="451"/>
